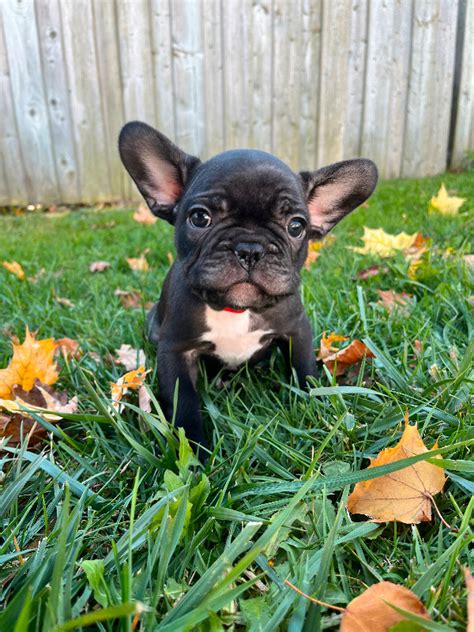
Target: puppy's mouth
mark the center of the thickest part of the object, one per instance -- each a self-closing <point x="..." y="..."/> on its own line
<point x="243" y="295"/>
<point x="239" y="296"/>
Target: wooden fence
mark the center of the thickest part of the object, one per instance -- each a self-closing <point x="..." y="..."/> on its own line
<point x="313" y="81"/>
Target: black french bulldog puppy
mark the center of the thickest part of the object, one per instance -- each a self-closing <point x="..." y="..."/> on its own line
<point x="242" y="222"/>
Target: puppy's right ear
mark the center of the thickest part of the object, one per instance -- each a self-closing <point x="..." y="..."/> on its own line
<point x="158" y="167"/>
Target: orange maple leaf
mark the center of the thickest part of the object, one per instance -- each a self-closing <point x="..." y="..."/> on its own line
<point x="341" y="358"/>
<point x="403" y="496"/>
<point x="371" y="612"/>
<point x="32" y="360"/>
<point x="131" y="380"/>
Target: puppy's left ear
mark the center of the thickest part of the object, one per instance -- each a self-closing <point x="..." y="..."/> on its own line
<point x="334" y="191"/>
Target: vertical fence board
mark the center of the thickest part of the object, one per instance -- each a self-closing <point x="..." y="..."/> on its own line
<point x="24" y="60"/>
<point x="186" y="31"/>
<point x="12" y="183"/>
<point x="86" y="106"/>
<point x="464" y="132"/>
<point x="162" y="66"/>
<point x="430" y="87"/>
<point x="213" y="96"/>
<point x="310" y="69"/>
<point x="108" y="66"/>
<point x="57" y="97"/>
<point x="333" y="104"/>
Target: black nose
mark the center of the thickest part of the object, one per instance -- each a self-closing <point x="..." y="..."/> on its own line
<point x="248" y="253"/>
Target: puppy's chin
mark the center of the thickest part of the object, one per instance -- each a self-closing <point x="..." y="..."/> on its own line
<point x="243" y="295"/>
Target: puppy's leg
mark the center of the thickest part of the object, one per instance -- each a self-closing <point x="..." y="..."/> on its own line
<point x="178" y="368"/>
<point x="299" y="353"/>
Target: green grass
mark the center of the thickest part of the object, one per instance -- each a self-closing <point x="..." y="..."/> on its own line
<point x="113" y="510"/>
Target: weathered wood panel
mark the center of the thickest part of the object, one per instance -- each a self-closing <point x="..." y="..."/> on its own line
<point x="313" y="81"/>
<point x="464" y="130"/>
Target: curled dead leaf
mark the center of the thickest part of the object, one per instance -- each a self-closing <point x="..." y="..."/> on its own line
<point x="139" y="264"/>
<point x="371" y="612"/>
<point x="130" y="381"/>
<point x="129" y="357"/>
<point x="404" y="496"/>
<point x="393" y="301"/>
<point x="68" y="347"/>
<point x="64" y="301"/>
<point x="371" y="271"/>
<point x="344" y="358"/>
<point x="99" y="266"/>
<point x="143" y="215"/>
<point x="130" y="299"/>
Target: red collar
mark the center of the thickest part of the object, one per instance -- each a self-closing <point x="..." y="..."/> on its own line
<point x="233" y="311"/>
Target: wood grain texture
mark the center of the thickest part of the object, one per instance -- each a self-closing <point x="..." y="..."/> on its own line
<point x="48" y="18"/>
<point x="314" y="81"/>
<point x="29" y="100"/>
<point x="464" y="130"/>
<point x="12" y="173"/>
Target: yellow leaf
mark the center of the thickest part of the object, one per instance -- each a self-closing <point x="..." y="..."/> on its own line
<point x="378" y="242"/>
<point x="131" y="380"/>
<point x="371" y="612"/>
<point x="143" y="215"/>
<point x="33" y="360"/>
<point x="15" y="268"/>
<point x="138" y="264"/>
<point x="404" y="496"/>
<point x="445" y="204"/>
<point x="315" y="247"/>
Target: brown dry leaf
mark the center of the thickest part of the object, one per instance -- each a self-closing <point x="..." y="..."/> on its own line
<point x="129" y="357"/>
<point x="131" y="380"/>
<point x="369" y="612"/>
<point x="99" y="266"/>
<point x="139" y="264"/>
<point x="41" y="397"/>
<point x="15" y="268"/>
<point x="403" y="496"/>
<point x="470" y="599"/>
<point x="144" y="399"/>
<point x="36" y="277"/>
<point x="64" y="301"/>
<point x="395" y="301"/>
<point x="130" y="299"/>
<point x="372" y="271"/>
<point x="32" y="360"/>
<point x="315" y="247"/>
<point x="68" y="347"/>
<point x="143" y="215"/>
<point x="341" y="358"/>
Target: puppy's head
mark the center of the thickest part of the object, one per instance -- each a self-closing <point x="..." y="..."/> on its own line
<point x="243" y="219"/>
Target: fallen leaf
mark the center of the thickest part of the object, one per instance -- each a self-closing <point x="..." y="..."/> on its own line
<point x="418" y="347"/>
<point x="34" y="359"/>
<point x="342" y="359"/>
<point x="36" y="277"/>
<point x="144" y="399"/>
<point x="64" y="301"/>
<point x="372" y="271"/>
<point x="143" y="215"/>
<point x="93" y="355"/>
<point x="404" y="496"/>
<point x="469" y="260"/>
<point x="99" y="266"/>
<point x="129" y="357"/>
<point x="170" y="257"/>
<point x="315" y="247"/>
<point x="38" y="399"/>
<point x="470" y="600"/>
<point x="15" y="268"/>
<point x="393" y="301"/>
<point x="130" y="299"/>
<point x="444" y="203"/>
<point x="68" y="347"/>
<point x="413" y="269"/>
<point x="138" y="264"/>
<point x="370" y="612"/>
<point x="131" y="380"/>
<point x="378" y="242"/>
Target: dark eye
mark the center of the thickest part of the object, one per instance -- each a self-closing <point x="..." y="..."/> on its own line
<point x="200" y="218"/>
<point x="296" y="228"/>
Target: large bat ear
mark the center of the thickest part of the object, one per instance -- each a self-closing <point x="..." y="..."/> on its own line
<point x="334" y="191"/>
<point x="158" y="167"/>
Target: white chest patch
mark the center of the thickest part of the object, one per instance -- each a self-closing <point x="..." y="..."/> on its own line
<point x="232" y="336"/>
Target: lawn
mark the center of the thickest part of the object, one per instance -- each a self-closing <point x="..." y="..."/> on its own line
<point x="111" y="523"/>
